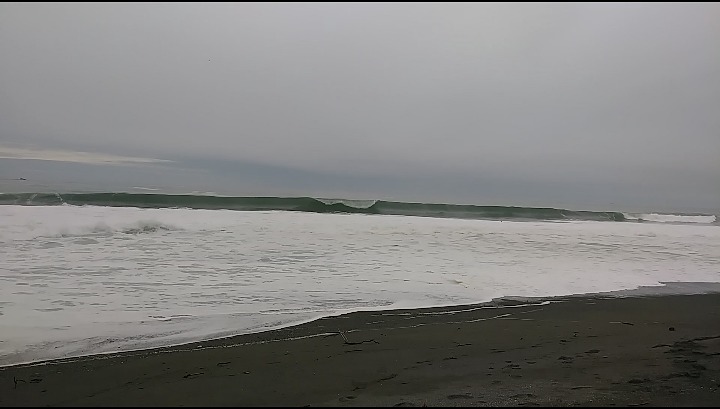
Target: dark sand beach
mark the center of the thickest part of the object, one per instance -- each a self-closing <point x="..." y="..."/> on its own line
<point x="596" y="351"/>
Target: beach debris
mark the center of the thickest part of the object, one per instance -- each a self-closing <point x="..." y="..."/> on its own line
<point x="621" y="322"/>
<point x="671" y="329"/>
<point x="364" y="385"/>
<point x="387" y="378"/>
<point x="15" y="380"/>
<point x="193" y="375"/>
<point x="342" y="334"/>
<point x="460" y="396"/>
<point x="566" y="359"/>
<point x="523" y="395"/>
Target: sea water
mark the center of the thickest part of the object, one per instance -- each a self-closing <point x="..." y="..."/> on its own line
<point x="78" y="280"/>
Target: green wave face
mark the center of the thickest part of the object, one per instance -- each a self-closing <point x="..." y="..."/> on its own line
<point x="304" y="204"/>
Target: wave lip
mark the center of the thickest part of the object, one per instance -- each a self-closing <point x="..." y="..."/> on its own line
<point x="356" y="204"/>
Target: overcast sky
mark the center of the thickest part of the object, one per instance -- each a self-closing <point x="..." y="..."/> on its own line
<point x="556" y="104"/>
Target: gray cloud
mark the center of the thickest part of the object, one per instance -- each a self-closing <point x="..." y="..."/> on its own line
<point x="445" y="98"/>
<point x="8" y="152"/>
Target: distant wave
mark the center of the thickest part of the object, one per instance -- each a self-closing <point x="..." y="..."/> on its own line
<point x="322" y="205"/>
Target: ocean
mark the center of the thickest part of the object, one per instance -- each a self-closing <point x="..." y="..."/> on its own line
<point x="91" y="273"/>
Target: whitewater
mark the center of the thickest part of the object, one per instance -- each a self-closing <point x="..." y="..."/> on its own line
<point x="80" y="280"/>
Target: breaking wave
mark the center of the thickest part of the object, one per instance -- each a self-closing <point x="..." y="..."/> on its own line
<point x="322" y="205"/>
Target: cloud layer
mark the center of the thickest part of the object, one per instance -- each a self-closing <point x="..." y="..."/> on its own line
<point x="452" y="99"/>
<point x="72" y="156"/>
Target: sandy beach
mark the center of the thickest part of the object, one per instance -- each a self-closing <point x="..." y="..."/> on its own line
<point x="595" y="350"/>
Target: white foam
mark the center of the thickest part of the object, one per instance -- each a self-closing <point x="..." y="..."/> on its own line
<point x="79" y="280"/>
<point x="36" y="222"/>
<point x="672" y="218"/>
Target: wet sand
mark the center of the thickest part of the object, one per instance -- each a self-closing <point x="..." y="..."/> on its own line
<point x="590" y="351"/>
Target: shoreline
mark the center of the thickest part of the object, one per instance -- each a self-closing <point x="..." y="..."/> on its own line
<point x="664" y="289"/>
<point x="186" y="345"/>
<point x="497" y="303"/>
<point x="591" y="350"/>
